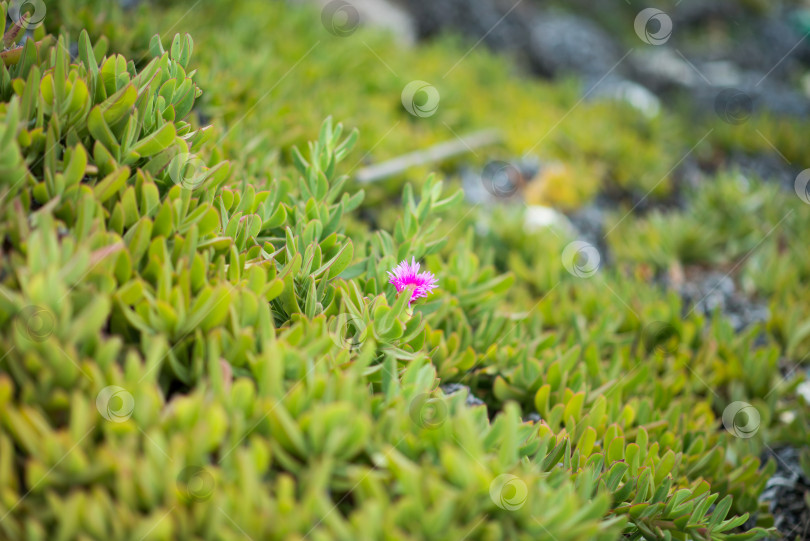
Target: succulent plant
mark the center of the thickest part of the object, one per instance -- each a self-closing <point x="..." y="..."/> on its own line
<point x="197" y="347"/>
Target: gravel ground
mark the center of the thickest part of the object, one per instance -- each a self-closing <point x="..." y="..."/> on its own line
<point x="787" y="493"/>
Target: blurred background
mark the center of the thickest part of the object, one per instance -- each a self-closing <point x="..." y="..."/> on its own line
<point x="623" y="99"/>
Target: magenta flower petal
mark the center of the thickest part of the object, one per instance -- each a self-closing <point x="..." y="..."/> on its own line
<point x="407" y="275"/>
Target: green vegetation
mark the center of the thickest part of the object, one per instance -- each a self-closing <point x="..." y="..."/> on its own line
<point x="259" y="62"/>
<point x="199" y="340"/>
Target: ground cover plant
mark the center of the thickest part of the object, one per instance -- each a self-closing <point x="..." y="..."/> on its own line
<point x="207" y="331"/>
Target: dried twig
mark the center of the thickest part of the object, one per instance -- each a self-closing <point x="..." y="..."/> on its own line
<point x="10" y="37"/>
<point x="436" y="153"/>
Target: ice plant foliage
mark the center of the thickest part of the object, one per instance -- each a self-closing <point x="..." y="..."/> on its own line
<point x="407" y="275"/>
<point x="634" y="470"/>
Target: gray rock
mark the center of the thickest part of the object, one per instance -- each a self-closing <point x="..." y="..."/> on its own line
<point x="784" y="492"/>
<point x="694" y="13"/>
<point x="589" y="222"/>
<point x="776" y="97"/>
<point x="499" y="181"/>
<point x="453" y="388"/>
<point x="772" y="45"/>
<point x="732" y="92"/>
<point x="348" y="15"/>
<point x="539" y="217"/>
<point x="723" y="73"/>
<point x="766" y="167"/>
<point x="562" y="43"/>
<point x="661" y="68"/>
<point x="532" y="417"/>
<point x="498" y="24"/>
<point x="803" y="389"/>
<point x="634" y="94"/>
<point x="714" y="291"/>
<point x="389" y="16"/>
<point x="756" y="92"/>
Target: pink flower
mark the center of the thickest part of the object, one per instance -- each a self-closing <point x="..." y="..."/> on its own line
<point x="407" y="275"/>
